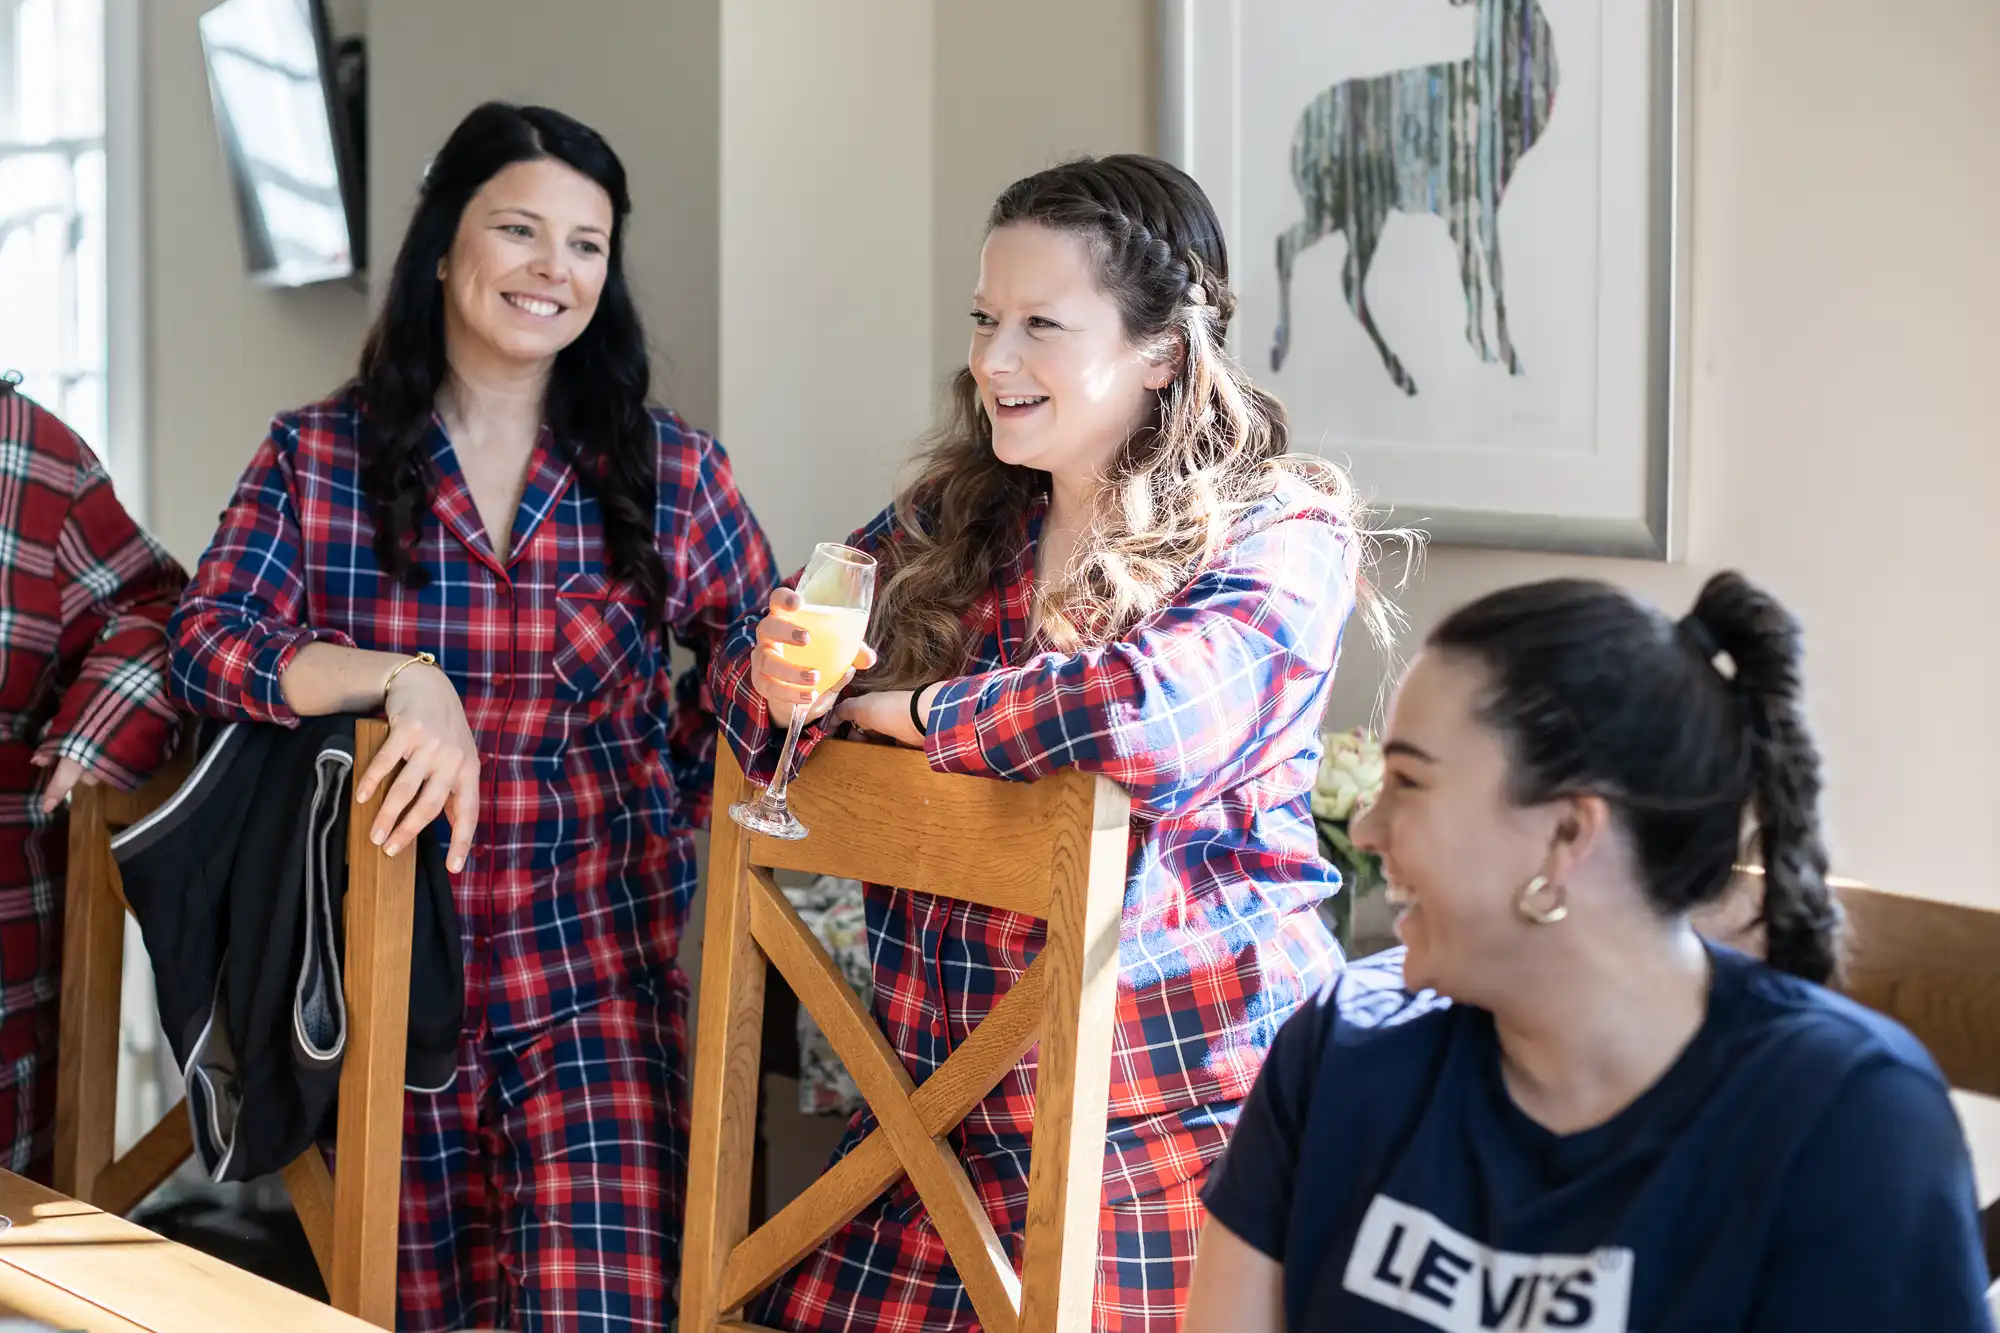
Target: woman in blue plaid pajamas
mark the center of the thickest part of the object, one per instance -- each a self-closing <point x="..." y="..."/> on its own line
<point x="1110" y="561"/>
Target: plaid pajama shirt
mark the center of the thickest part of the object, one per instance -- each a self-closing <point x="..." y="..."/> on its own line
<point x="545" y="1185"/>
<point x="1208" y="713"/>
<point x="84" y="600"/>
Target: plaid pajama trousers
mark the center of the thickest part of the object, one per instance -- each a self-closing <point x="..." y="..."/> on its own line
<point x="28" y="1089"/>
<point x="891" y="1275"/>
<point x="543" y="1191"/>
<point x="34" y="852"/>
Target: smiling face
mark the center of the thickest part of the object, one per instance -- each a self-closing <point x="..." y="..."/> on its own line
<point x="1456" y="849"/>
<point x="526" y="268"/>
<point x="1060" y="380"/>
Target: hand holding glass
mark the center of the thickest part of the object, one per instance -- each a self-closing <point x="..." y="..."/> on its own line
<point x="836" y="591"/>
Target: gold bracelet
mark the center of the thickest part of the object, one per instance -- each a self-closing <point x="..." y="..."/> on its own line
<point x="423" y="659"/>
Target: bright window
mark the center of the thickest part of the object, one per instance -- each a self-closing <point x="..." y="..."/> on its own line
<point x="52" y="207"/>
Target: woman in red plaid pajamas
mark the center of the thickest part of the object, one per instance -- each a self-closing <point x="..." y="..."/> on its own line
<point x="1109" y="562"/>
<point x="83" y="698"/>
<point x="487" y="535"/>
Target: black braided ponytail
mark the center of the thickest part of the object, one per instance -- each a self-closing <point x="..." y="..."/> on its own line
<point x="1763" y="643"/>
<point x="1595" y="693"/>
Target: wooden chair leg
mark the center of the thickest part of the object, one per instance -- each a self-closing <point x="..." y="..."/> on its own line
<point x="311" y="1186"/>
<point x="730" y="1022"/>
<point x="126" y="1182"/>
<point x="93" y="961"/>
<point x="1066" y="1166"/>
<point x="367" y="1192"/>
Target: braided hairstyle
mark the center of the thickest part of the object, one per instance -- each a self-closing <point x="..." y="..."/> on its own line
<point x="1216" y="444"/>
<point x="596" y="403"/>
<point x="1685" y="728"/>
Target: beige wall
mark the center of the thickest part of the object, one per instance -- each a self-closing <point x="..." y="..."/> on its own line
<point x="1843" y="279"/>
<point x="222" y="355"/>
<point x="1011" y="101"/>
<point x="808" y="224"/>
<point x="825" y="257"/>
<point x="1844" y="189"/>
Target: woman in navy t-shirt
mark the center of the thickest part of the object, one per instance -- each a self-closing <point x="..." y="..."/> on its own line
<point x="1613" y="1126"/>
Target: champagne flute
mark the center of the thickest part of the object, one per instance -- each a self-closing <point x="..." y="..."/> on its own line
<point x="837" y="590"/>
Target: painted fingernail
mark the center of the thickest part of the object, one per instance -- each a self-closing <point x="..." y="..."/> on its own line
<point x="394" y="847"/>
<point x="376" y="835"/>
<point x="457" y="864"/>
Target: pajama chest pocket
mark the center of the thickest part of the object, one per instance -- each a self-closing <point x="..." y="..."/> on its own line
<point x="600" y="635"/>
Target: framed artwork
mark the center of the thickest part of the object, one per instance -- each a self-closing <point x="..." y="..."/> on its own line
<point x="1456" y="233"/>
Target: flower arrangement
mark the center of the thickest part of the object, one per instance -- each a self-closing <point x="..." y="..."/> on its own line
<point x="1350" y="778"/>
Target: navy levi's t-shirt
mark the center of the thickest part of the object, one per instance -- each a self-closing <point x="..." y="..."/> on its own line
<point x="1797" y="1170"/>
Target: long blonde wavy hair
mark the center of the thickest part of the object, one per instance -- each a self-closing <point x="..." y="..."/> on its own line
<point x="1217" y="445"/>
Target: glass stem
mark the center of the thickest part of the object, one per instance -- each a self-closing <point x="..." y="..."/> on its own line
<point x="774" y="795"/>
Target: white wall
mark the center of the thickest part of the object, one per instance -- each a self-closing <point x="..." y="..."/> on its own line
<point x="1845" y="186"/>
<point x="1844" y="279"/>
<point x="808" y="216"/>
<point x="862" y="147"/>
<point x="825" y="258"/>
<point x="222" y="355"/>
<point x="1011" y="100"/>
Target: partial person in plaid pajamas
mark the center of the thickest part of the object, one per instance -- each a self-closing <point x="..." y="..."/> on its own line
<point x="84" y="598"/>
<point x="493" y="491"/>
<point x="1109" y="562"/>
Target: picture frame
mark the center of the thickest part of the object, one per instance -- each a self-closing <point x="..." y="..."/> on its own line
<point x="1511" y="372"/>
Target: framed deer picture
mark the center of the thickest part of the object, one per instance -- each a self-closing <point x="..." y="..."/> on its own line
<point x="1456" y="239"/>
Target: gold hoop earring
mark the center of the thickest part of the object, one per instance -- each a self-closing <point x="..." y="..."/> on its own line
<point x="1533" y="911"/>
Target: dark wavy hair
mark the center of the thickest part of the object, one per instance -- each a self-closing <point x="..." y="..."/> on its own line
<point x="596" y="405"/>
<point x="1593" y="692"/>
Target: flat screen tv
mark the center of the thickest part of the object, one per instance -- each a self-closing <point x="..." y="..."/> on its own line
<point x="288" y="139"/>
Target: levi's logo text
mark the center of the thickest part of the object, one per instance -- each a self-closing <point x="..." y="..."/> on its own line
<point x="1408" y="1260"/>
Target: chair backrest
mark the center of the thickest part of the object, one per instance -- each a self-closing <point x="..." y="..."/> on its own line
<point x="351" y="1223"/>
<point x="1055" y="849"/>
<point x="1934" y="967"/>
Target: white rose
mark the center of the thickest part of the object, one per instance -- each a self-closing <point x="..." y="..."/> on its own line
<point x="1335" y="800"/>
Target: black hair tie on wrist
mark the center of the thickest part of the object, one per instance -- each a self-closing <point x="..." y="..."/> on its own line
<point x="916" y="716"/>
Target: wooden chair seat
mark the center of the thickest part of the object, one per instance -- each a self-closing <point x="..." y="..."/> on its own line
<point x="350" y="1222"/>
<point x="1055" y="849"/>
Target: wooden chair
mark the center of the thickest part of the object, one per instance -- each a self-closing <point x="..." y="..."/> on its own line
<point x="1934" y="967"/>
<point x="350" y="1222"/>
<point x="1054" y="849"/>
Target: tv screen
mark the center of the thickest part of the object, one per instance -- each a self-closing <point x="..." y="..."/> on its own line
<point x="290" y="166"/>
